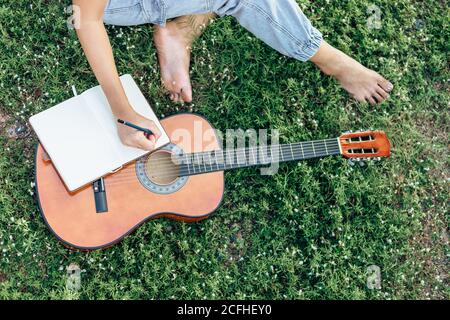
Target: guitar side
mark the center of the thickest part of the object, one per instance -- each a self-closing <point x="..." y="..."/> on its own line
<point x="72" y="216"/>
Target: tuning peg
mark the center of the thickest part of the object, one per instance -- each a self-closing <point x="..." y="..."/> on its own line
<point x="351" y="162"/>
<point x="361" y="163"/>
<point x="379" y="159"/>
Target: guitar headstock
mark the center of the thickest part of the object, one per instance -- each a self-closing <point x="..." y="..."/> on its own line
<point x="365" y="145"/>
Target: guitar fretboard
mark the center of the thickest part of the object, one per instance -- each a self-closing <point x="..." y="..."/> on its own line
<point x="220" y="160"/>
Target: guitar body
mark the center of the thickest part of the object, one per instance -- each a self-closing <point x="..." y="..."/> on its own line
<point x="73" y="217"/>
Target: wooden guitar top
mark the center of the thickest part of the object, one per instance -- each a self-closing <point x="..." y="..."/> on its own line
<point x="72" y="216"/>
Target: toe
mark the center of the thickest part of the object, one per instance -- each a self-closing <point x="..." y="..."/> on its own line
<point x="378" y="97"/>
<point x="382" y="93"/>
<point x="177" y="97"/>
<point x="371" y="100"/>
<point x="385" y="84"/>
<point x="359" y="98"/>
<point x="186" y="94"/>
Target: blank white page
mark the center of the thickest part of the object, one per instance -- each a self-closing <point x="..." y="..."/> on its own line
<point x="75" y="142"/>
<point x="80" y="135"/>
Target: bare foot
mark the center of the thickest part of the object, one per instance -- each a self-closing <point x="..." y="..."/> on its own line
<point x="174" y="54"/>
<point x="363" y="84"/>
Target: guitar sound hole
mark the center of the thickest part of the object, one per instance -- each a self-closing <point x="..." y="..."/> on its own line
<point x="158" y="173"/>
<point x="160" y="168"/>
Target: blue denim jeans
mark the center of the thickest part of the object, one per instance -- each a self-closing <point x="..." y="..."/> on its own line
<point x="279" y="23"/>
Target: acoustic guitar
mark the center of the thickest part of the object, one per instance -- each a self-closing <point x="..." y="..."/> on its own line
<point x="183" y="181"/>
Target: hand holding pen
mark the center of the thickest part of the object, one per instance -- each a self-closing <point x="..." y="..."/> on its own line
<point x="139" y="132"/>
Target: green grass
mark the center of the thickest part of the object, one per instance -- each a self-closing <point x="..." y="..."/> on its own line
<point x="311" y="231"/>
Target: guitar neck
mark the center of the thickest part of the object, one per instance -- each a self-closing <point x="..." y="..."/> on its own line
<point x="228" y="159"/>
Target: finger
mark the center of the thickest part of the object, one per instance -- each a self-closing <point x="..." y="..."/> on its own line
<point x="150" y="137"/>
<point x="145" y="144"/>
<point x="156" y="132"/>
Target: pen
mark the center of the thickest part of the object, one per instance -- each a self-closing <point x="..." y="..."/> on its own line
<point x="147" y="132"/>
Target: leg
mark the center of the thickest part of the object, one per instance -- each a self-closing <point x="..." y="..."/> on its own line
<point x="173" y="43"/>
<point x="282" y="25"/>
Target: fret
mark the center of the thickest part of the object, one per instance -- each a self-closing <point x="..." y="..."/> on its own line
<point x="255" y="160"/>
<point x="292" y="152"/>
<point x="231" y="161"/>
<point x="222" y="159"/>
<point x="193" y="163"/>
<point x="209" y="156"/>
<point x="189" y="170"/>
<point x="203" y="161"/>
<point x="262" y="156"/>
<point x="314" y="151"/>
<point x="326" y="148"/>
<point x="280" y="152"/>
<point x="303" y="153"/>
<point x="241" y="158"/>
<point x="247" y="160"/>
<point x="271" y="155"/>
<point x="215" y="158"/>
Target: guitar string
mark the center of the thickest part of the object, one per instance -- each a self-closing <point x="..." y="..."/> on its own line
<point x="177" y="174"/>
<point x="319" y="151"/>
<point x="200" y="170"/>
<point x="306" y="153"/>
<point x="244" y="151"/>
<point x="199" y="158"/>
<point x="317" y="143"/>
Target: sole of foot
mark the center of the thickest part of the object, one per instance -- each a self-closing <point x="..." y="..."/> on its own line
<point x="174" y="56"/>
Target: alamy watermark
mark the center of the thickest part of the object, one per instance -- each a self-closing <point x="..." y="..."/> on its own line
<point x="73" y="281"/>
<point x="74" y="20"/>
<point x="374" y="21"/>
<point x="374" y="277"/>
<point x="234" y="147"/>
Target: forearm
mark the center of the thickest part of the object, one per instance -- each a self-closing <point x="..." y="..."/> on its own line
<point x="97" y="48"/>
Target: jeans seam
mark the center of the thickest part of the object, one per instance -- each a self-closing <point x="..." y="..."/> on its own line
<point x="119" y="10"/>
<point x="315" y="36"/>
<point x="208" y="5"/>
<point x="162" y="7"/>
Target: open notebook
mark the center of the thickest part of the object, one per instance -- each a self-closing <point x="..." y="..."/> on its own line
<point x="80" y="135"/>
